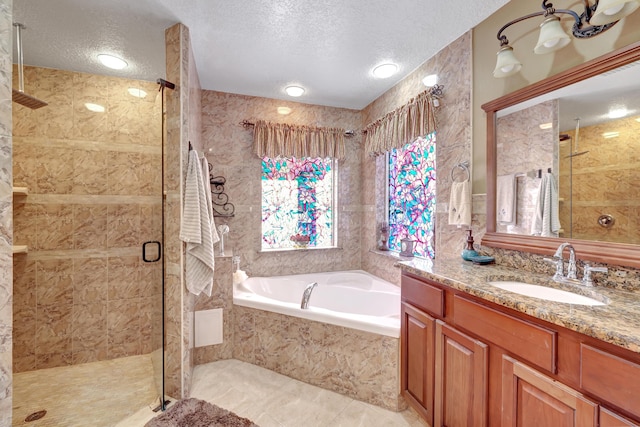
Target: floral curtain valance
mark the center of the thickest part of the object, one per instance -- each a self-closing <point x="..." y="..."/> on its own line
<point x="279" y="139"/>
<point x="402" y="125"/>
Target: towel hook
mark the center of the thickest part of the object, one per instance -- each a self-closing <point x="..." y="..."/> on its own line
<point x="465" y="167"/>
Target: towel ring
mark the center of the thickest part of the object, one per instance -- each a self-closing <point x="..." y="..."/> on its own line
<point x="465" y="167"/>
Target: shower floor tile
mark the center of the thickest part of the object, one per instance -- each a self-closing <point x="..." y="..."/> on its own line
<point x="91" y="394"/>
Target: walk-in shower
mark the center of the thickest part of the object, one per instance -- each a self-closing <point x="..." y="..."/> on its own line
<point x="88" y="293"/>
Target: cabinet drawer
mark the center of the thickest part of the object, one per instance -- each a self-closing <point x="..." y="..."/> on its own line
<point x="611" y="378"/>
<point x="532" y="343"/>
<point x="423" y="295"/>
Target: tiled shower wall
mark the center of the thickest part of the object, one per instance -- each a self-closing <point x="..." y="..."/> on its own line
<point x="82" y="292"/>
<point x="602" y="181"/>
<point x="6" y="224"/>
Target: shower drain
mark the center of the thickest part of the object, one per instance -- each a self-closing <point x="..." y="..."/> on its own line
<point x="36" y="416"/>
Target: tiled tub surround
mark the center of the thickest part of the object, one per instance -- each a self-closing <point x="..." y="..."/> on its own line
<point x="617" y="323"/>
<point x="358" y="364"/>
<point x="346" y="341"/>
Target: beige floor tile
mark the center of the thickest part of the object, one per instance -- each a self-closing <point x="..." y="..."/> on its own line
<point x="92" y="394"/>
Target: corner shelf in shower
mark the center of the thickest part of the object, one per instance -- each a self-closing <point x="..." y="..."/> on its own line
<point x="20" y="191"/>
<point x="20" y="249"/>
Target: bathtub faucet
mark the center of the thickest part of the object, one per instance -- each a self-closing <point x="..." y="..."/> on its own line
<point x="307" y="294"/>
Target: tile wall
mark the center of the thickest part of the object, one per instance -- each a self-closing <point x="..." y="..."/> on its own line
<point x="6" y="222"/>
<point x="357" y="364"/>
<point x="519" y="133"/>
<point x="228" y="148"/>
<point x="82" y="292"/>
<point x="453" y="145"/>
<point x="602" y="181"/>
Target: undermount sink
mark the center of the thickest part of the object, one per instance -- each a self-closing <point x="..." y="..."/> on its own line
<point x="545" y="293"/>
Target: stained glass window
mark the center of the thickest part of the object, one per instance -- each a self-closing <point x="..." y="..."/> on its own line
<point x="412" y="195"/>
<point x="297" y="203"/>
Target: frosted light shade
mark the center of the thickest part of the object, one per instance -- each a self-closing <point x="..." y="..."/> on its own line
<point x="507" y="63"/>
<point x="613" y="10"/>
<point x="385" y="70"/>
<point x="112" y="61"/>
<point x="552" y="36"/>
<point x="294" y="91"/>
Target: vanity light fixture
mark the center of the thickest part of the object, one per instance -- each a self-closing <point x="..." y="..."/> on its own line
<point x="545" y="126"/>
<point x="137" y="92"/>
<point x="294" y="91"/>
<point x="96" y="108"/>
<point x="595" y="19"/>
<point x="384" y="71"/>
<point x="284" y="110"/>
<point x="112" y="61"/>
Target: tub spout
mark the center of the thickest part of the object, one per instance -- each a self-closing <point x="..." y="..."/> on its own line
<point x="307" y="294"/>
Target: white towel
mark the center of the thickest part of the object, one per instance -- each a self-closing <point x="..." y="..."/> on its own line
<point x="506" y="197"/>
<point x="460" y="204"/>
<point x="195" y="230"/>
<point x="546" y="221"/>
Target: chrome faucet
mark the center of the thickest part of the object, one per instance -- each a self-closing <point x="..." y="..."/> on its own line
<point x="307" y="294"/>
<point x="571" y="268"/>
<point x="586" y="278"/>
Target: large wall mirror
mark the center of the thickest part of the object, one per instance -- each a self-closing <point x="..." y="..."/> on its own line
<point x="573" y="129"/>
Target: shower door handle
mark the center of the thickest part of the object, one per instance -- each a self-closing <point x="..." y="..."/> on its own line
<point x="144" y="251"/>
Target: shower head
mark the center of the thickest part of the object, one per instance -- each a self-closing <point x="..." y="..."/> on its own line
<point x="27" y="100"/>
<point x="18" y="95"/>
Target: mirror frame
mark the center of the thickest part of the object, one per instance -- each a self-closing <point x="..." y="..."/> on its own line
<point x="622" y="254"/>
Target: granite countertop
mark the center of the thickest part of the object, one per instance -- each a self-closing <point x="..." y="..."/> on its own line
<point x="617" y="322"/>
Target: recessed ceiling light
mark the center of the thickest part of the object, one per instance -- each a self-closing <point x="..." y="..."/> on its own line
<point x="385" y="70"/>
<point x="611" y="134"/>
<point x="137" y="92"/>
<point x="294" y="90"/>
<point x="544" y="126"/>
<point x="284" y="110"/>
<point x="431" y="80"/>
<point x="616" y="113"/>
<point x="112" y="61"/>
<point x="96" y="108"/>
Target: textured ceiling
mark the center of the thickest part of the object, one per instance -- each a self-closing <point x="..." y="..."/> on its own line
<point x="253" y="47"/>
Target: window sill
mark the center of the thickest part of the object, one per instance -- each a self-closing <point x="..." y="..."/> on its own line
<point x="270" y="251"/>
<point x="393" y="255"/>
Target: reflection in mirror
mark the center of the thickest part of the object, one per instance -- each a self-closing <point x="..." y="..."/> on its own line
<point x="588" y="135"/>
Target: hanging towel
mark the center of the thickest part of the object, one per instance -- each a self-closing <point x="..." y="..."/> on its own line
<point x="460" y="204"/>
<point x="506" y="199"/>
<point x="546" y="221"/>
<point x="195" y="230"/>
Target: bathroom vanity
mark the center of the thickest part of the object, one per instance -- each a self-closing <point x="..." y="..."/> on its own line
<point x="474" y="354"/>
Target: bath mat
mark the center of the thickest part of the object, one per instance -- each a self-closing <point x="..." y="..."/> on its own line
<point x="198" y="413"/>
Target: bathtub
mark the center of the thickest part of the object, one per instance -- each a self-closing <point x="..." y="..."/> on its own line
<point x="353" y="299"/>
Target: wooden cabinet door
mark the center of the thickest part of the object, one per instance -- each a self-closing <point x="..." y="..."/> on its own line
<point x="611" y="419"/>
<point x="461" y="379"/>
<point x="417" y="359"/>
<point x="531" y="399"/>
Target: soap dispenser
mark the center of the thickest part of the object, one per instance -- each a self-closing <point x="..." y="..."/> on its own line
<point x="468" y="252"/>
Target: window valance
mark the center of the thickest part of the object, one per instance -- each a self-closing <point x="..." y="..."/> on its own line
<point x="279" y="139"/>
<point x="402" y="125"/>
